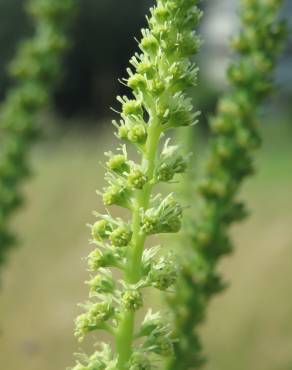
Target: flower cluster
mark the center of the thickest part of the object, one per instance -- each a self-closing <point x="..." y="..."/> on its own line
<point x="34" y="69"/>
<point x="229" y="162"/>
<point x="158" y="77"/>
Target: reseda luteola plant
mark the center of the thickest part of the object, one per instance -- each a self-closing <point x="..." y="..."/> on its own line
<point x="229" y="161"/>
<point x="34" y="69"/>
<point x="158" y="79"/>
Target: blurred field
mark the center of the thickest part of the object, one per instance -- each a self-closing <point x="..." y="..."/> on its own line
<point x="249" y="327"/>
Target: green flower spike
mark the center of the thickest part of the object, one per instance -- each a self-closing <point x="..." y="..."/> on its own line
<point x="229" y="162"/>
<point x="159" y="77"/>
<point x="35" y="68"/>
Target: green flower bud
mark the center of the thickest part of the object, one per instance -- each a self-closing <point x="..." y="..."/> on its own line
<point x="170" y="163"/>
<point x="116" y="195"/>
<point x="156" y="87"/>
<point x="118" y="163"/>
<point x="191" y="44"/>
<point x="150" y="223"/>
<point x="137" y="179"/>
<point x="184" y="74"/>
<point x="137" y="82"/>
<point x="97" y="259"/>
<point x="151" y="323"/>
<point x="178" y="113"/>
<point x="146" y="68"/>
<point x="149" y="43"/>
<point x="161" y="32"/>
<point x="132" y="107"/>
<point x="100" y="230"/>
<point x="163" y="274"/>
<point x="161" y="13"/>
<point x="101" y="283"/>
<point x="137" y="134"/>
<point x="166" y="218"/>
<point x="95" y="318"/>
<point x="123" y="132"/>
<point x="158" y="335"/>
<point x="132" y="300"/>
<point x="121" y="236"/>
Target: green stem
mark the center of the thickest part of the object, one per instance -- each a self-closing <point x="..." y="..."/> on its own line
<point x="125" y="333"/>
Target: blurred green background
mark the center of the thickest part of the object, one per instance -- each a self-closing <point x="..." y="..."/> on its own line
<point x="250" y="325"/>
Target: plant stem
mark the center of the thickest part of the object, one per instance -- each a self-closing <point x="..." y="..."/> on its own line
<point x="125" y="333"/>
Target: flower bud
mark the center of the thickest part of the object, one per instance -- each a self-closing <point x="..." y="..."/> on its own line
<point x="100" y="230"/>
<point x="132" y="300"/>
<point x="149" y="43"/>
<point x="151" y="323"/>
<point x="97" y="259"/>
<point x="137" y="179"/>
<point x="118" y="163"/>
<point x="137" y="82"/>
<point x="161" y="32"/>
<point x="146" y="68"/>
<point x="123" y="132"/>
<point x="116" y="195"/>
<point x="121" y="236"/>
<point x="101" y="283"/>
<point x="170" y="163"/>
<point x="163" y="274"/>
<point x="137" y="134"/>
<point x="159" y="340"/>
<point x="190" y="44"/>
<point x="96" y="316"/>
<point x="132" y="107"/>
<point x="161" y="13"/>
<point x="156" y="87"/>
<point x="166" y="218"/>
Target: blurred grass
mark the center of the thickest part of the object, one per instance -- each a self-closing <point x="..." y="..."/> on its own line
<point x="248" y="327"/>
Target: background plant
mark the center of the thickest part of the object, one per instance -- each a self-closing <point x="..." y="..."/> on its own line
<point x="35" y="69"/>
<point x="158" y="79"/>
<point x="229" y="161"/>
